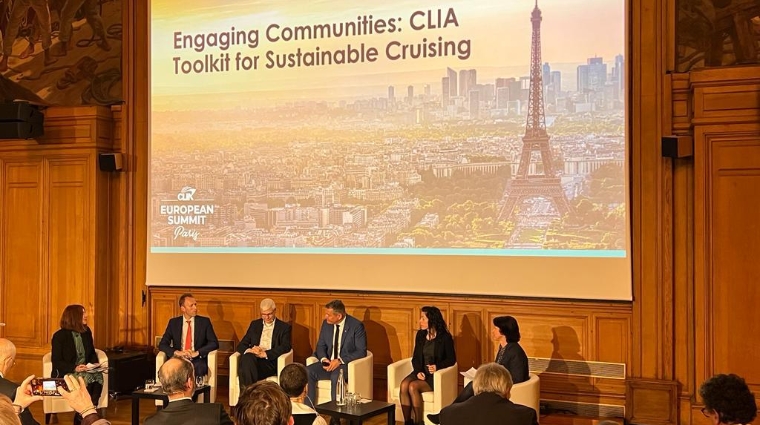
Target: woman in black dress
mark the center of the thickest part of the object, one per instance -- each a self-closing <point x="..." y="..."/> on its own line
<point x="73" y="349"/>
<point x="433" y="350"/>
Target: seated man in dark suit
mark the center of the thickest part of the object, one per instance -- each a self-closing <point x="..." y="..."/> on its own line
<point x="490" y="405"/>
<point x="178" y="381"/>
<point x="267" y="338"/>
<point x="189" y="336"/>
<point x="342" y="339"/>
<point x="8" y="388"/>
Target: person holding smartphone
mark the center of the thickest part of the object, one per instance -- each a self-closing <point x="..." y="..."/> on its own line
<point x="433" y="350"/>
<point x="73" y="348"/>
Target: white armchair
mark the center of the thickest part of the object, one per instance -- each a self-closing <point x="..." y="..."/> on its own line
<point x="444" y="381"/>
<point x="527" y="393"/>
<point x="52" y="405"/>
<point x="282" y="361"/>
<point x="360" y="376"/>
<point x="212" y="375"/>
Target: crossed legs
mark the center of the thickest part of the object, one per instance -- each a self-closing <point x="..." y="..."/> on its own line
<point x="411" y="398"/>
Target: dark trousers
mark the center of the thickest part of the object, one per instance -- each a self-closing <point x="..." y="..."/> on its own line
<point x="252" y="369"/>
<point x="467" y="392"/>
<point x="316" y="373"/>
<point x="200" y="365"/>
<point x="95" y="389"/>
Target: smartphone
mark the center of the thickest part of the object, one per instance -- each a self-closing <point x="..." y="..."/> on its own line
<point x="325" y="363"/>
<point x="48" y="386"/>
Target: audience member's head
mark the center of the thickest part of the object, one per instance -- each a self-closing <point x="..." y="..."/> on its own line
<point x="435" y="319"/>
<point x="268" y="310"/>
<point x="492" y="378"/>
<point x="507" y="326"/>
<point x="335" y="311"/>
<point x="263" y="403"/>
<point x="72" y="318"/>
<point x="177" y="377"/>
<point x="7" y="356"/>
<point x="728" y="400"/>
<point x="8" y="416"/>
<point x="293" y="379"/>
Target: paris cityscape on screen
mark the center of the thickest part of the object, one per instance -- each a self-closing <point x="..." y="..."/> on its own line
<point x="529" y="161"/>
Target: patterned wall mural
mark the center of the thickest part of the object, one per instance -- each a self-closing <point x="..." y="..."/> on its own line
<point x="61" y="52"/>
<point x="714" y="33"/>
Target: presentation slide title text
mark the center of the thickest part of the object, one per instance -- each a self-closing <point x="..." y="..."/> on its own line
<point x="204" y="60"/>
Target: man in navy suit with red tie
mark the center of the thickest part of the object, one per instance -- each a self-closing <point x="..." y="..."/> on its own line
<point x="342" y="339"/>
<point x="190" y="336"/>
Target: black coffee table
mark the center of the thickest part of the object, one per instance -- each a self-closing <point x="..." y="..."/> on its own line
<point x="160" y="395"/>
<point x="360" y="412"/>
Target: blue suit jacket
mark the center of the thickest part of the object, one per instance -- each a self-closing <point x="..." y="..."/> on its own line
<point x="203" y="335"/>
<point x="353" y="345"/>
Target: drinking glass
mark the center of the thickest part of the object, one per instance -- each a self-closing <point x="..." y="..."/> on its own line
<point x="198" y="381"/>
<point x="149" y="383"/>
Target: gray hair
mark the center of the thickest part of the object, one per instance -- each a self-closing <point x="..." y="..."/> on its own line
<point x="337" y="306"/>
<point x="7" y="348"/>
<point x="7" y="415"/>
<point x="492" y="378"/>
<point x="267" y="304"/>
<point x="174" y="375"/>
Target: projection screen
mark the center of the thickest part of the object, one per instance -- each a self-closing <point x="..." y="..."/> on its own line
<point x="462" y="147"/>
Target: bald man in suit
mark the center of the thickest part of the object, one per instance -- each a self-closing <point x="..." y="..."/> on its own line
<point x="8" y="388"/>
<point x="177" y="378"/>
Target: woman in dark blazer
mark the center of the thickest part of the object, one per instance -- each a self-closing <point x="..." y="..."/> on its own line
<point x="506" y="332"/>
<point x="73" y="349"/>
<point x="433" y="350"/>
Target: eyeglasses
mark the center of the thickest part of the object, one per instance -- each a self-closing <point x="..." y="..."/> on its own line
<point x="271" y="313"/>
<point x="705" y="411"/>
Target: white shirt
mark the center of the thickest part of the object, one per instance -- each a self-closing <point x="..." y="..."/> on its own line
<point x="266" y="336"/>
<point x="184" y="333"/>
<point x="303" y="409"/>
<point x="181" y="398"/>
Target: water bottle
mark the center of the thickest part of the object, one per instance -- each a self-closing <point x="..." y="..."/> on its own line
<point x="340" y="391"/>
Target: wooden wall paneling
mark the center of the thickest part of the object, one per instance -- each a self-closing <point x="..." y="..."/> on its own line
<point x="612" y="344"/>
<point x="652" y="401"/>
<point x="728" y="170"/>
<point x="23" y="275"/>
<point x="163" y="307"/>
<point x="135" y="146"/>
<point x="651" y="220"/>
<point x="612" y="335"/>
<point x="108" y="306"/>
<point x="24" y="288"/>
<point x="68" y="227"/>
<point x="390" y="331"/>
<point x="470" y="340"/>
<point x="302" y="317"/>
<point x="683" y="202"/>
<point x="118" y="242"/>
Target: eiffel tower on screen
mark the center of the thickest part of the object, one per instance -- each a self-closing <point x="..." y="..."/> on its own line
<point x="545" y="185"/>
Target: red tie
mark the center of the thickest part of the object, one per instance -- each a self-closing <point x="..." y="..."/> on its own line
<point x="189" y="337"/>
